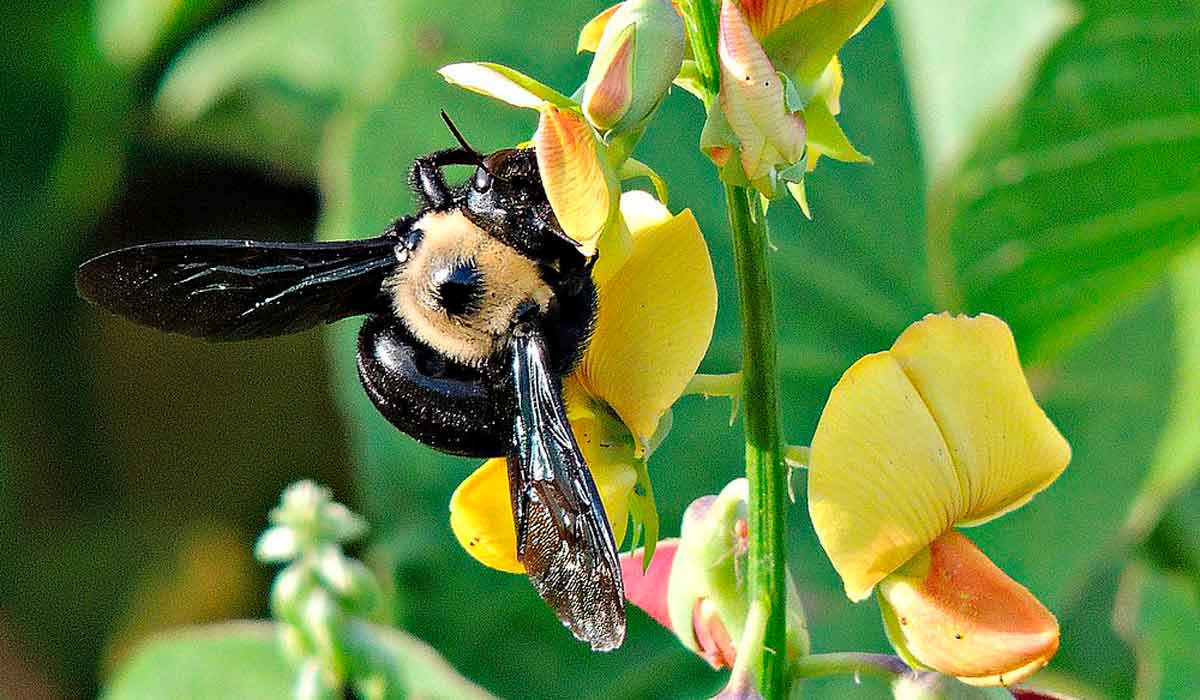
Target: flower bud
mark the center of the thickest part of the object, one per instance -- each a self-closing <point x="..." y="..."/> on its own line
<point x="639" y="53"/>
<point x="289" y="591"/>
<point x="695" y="585"/>
<point x="349" y="580"/>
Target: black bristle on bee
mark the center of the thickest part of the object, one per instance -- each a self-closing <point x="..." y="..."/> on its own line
<point x="476" y="308"/>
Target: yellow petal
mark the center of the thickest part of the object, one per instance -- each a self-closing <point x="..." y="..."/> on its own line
<point x="764" y="16"/>
<point x="752" y="99"/>
<point x="581" y="189"/>
<point x="486" y="80"/>
<point x="655" y="322"/>
<point x="964" y="617"/>
<point x="481" y="517"/>
<point x="642" y="211"/>
<point x="1001" y="442"/>
<point x="881" y="485"/>
<point x="589" y="36"/>
<point x="481" y="510"/>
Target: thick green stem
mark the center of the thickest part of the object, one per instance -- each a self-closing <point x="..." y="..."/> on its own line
<point x="765" y="468"/>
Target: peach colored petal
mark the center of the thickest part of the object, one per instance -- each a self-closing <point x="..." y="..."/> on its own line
<point x="580" y="188"/>
<point x="752" y="99"/>
<point x="965" y="617"/>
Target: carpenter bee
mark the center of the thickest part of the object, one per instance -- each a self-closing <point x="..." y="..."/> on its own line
<point x="476" y="308"/>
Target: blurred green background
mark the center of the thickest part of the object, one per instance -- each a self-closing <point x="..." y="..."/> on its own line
<point x="1036" y="159"/>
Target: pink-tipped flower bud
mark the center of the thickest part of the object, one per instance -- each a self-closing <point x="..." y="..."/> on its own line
<point x="639" y="53"/>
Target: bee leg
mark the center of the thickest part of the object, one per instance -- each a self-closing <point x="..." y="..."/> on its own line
<point x="429" y="184"/>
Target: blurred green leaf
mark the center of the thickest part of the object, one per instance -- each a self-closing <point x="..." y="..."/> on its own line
<point x="1091" y="651"/>
<point x="229" y="660"/>
<point x="1160" y="616"/>
<point x="264" y="83"/>
<point x="243" y="660"/>
<point x="964" y="57"/>
<point x="1074" y="203"/>
<point x="1176" y="460"/>
<point x="129" y="32"/>
<point x="1174" y="544"/>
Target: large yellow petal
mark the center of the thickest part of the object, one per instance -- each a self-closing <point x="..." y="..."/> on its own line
<point x="961" y="615"/>
<point x="968" y="373"/>
<point x="654" y="324"/>
<point x="481" y="517"/>
<point x="881" y="485"/>
<point x="481" y="510"/>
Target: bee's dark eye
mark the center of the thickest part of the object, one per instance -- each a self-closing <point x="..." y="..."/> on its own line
<point x="459" y="287"/>
<point x="482" y="181"/>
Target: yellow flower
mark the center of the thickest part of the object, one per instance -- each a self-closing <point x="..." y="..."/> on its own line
<point x="940" y="431"/>
<point x="654" y="325"/>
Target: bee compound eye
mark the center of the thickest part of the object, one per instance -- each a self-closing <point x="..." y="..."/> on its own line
<point x="458" y="287"/>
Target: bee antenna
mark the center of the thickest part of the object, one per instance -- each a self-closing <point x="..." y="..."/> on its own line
<point x="458" y="134"/>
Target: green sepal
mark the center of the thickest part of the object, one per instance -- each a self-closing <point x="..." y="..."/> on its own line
<point x="800" y="195"/>
<point x="644" y="512"/>
<point x="691" y="80"/>
<point x="634" y="168"/>
<point x="826" y="135"/>
<point x="792" y="99"/>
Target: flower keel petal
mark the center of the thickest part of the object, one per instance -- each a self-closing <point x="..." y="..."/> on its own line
<point x="965" y="617"/>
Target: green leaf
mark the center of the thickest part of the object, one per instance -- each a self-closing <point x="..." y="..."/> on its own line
<point x="964" y="58"/>
<point x="264" y="83"/>
<point x="1161" y="619"/>
<point x="244" y="660"/>
<point x="1176" y="460"/>
<point x="1075" y="203"/>
<point x="230" y="660"/>
<point x="130" y="32"/>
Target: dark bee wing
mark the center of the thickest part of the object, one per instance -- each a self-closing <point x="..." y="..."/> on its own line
<point x="234" y="290"/>
<point x="563" y="536"/>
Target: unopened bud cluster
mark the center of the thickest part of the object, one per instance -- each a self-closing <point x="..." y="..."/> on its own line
<point x="320" y="588"/>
